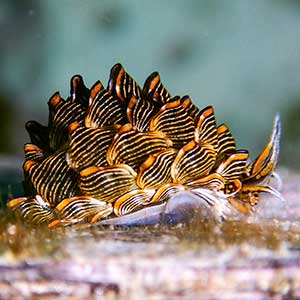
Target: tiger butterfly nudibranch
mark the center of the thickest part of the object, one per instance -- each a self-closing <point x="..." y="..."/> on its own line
<point x="115" y="151"/>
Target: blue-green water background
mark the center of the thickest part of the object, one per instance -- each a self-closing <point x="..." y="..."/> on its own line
<point x="242" y="57"/>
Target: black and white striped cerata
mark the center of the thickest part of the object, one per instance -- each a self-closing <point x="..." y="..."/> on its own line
<point x="109" y="153"/>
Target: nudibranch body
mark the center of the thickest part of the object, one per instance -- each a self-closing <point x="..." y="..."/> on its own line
<point x="107" y="153"/>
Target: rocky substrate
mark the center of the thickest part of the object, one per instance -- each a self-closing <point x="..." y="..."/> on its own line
<point x="257" y="258"/>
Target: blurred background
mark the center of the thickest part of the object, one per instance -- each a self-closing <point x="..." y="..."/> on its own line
<point x="242" y="57"/>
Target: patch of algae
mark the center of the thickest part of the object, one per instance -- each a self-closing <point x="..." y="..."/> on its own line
<point x="264" y="235"/>
<point x="19" y="240"/>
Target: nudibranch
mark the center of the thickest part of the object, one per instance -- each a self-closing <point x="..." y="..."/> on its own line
<point x="122" y="151"/>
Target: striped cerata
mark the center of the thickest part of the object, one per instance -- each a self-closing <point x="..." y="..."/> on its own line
<point x="115" y="151"/>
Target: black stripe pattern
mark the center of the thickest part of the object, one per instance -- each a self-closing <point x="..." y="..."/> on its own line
<point x="107" y="183"/>
<point x="192" y="162"/>
<point x="82" y="207"/>
<point x="133" y="147"/>
<point x="207" y="129"/>
<point x="140" y="112"/>
<point x="156" y="170"/>
<point x="33" y="152"/>
<point x="61" y="114"/>
<point x="53" y="179"/>
<point x="173" y="120"/>
<point x="132" y="201"/>
<point x="122" y="85"/>
<point x="104" y="109"/>
<point x="88" y="146"/>
<point x="33" y="209"/>
<point x="154" y="90"/>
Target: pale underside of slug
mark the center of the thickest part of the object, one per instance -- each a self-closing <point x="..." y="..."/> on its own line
<point x="131" y="155"/>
